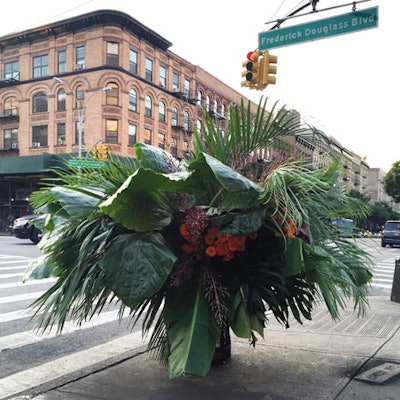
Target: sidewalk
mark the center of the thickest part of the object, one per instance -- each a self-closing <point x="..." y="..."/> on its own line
<point x="316" y="361"/>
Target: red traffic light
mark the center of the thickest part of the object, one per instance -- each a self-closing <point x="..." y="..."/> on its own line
<point x="252" y="55"/>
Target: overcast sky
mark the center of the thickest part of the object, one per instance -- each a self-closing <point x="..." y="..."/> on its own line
<point x="344" y="85"/>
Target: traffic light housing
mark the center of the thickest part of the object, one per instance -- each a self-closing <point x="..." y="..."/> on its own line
<point x="101" y="152"/>
<point x="268" y="70"/>
<point x="252" y="70"/>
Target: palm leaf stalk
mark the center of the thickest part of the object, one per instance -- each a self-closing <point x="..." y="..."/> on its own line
<point x="187" y="247"/>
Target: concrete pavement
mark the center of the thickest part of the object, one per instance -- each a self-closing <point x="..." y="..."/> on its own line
<point x="351" y="359"/>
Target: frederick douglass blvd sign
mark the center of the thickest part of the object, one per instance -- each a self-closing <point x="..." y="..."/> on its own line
<point x="321" y="29"/>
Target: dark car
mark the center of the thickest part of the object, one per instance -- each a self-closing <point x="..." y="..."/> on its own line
<point x="23" y="228"/>
<point x="391" y="234"/>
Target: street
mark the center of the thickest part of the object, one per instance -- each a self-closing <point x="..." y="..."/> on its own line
<point x="97" y="341"/>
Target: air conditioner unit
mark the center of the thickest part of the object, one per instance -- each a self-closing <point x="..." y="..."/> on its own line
<point x="35" y="144"/>
<point x="14" y="145"/>
<point x="79" y="67"/>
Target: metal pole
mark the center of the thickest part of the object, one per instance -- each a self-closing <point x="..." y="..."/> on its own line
<point x="81" y="110"/>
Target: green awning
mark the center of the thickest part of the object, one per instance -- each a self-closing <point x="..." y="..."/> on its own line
<point x="32" y="164"/>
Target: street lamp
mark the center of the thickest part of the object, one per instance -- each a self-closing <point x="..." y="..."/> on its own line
<point x="81" y="110"/>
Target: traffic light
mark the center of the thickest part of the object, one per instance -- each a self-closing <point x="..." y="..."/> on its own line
<point x="97" y="152"/>
<point x="104" y="152"/>
<point x="268" y="70"/>
<point x="252" y="70"/>
<point x="100" y="152"/>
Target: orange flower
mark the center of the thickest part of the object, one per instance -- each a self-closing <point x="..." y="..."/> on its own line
<point x="211" y="251"/>
<point x="184" y="230"/>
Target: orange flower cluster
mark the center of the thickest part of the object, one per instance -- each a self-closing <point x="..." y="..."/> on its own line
<point x="288" y="228"/>
<point x="224" y="246"/>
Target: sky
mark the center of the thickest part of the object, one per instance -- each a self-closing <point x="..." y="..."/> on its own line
<point x="344" y="85"/>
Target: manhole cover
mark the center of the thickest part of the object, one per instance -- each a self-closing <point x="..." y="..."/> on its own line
<point x="380" y="373"/>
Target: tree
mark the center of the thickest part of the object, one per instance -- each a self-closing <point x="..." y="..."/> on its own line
<point x="391" y="182"/>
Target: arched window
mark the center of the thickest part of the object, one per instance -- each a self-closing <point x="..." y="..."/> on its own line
<point x="39" y="102"/>
<point x="199" y="98"/>
<point x="148" y="106"/>
<point x="61" y="96"/>
<point x="112" y="96"/>
<point x="80" y="93"/>
<point x="174" y="120"/>
<point x="132" y="100"/>
<point x="223" y="110"/>
<point x="186" y="121"/>
<point x="11" y="106"/>
<point x="208" y="103"/>
<point x="161" y="112"/>
<point x="215" y="106"/>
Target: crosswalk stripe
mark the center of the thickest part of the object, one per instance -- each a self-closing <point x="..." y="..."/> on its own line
<point x="28" y="337"/>
<point x="21" y="284"/>
<point x="20" y="297"/>
<point x="15" y="315"/>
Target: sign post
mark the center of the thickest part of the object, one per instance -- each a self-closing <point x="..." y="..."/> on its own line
<point x="321" y="29"/>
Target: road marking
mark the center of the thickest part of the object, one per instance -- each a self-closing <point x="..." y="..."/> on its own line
<point x="21" y="284"/>
<point x="28" y="337"/>
<point x="20" y="297"/>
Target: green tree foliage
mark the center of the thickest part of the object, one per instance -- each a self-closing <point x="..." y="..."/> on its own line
<point x="391" y="182"/>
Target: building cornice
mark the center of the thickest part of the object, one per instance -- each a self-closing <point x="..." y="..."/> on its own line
<point x="83" y="23"/>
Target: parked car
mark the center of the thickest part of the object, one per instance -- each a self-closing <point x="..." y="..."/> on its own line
<point x="23" y="228"/>
<point x="391" y="234"/>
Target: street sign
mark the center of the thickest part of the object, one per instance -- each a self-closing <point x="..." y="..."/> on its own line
<point x="321" y="29"/>
<point x="85" y="163"/>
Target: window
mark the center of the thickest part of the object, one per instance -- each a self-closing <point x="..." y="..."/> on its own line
<point x="215" y="106"/>
<point x="132" y="100"/>
<point x="80" y="57"/>
<point x="39" y="136"/>
<point x="148" y="106"/>
<point x="199" y="98"/>
<point x="80" y="93"/>
<point x="161" y="112"/>
<point x="161" y="140"/>
<point x="133" y="61"/>
<point x="112" y="95"/>
<point x="112" y="53"/>
<point x="163" y="76"/>
<point x="187" y="88"/>
<point x="40" y="66"/>
<point x="112" y="131"/>
<point x="62" y="61"/>
<point x="208" y="103"/>
<point x="61" y="96"/>
<point x="147" y="136"/>
<point x="175" y="82"/>
<point x="149" y="70"/>
<point x="11" y="70"/>
<point x="11" y="106"/>
<point x="186" y="121"/>
<point x="223" y="110"/>
<point x="174" y="119"/>
<point x="60" y="134"/>
<point x="174" y="146"/>
<point x="79" y="126"/>
<point x="132" y="134"/>
<point x="11" y="138"/>
<point x="39" y="102"/>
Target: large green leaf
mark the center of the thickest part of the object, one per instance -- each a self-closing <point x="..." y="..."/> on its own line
<point x="136" y="266"/>
<point x="294" y="261"/>
<point x="192" y="330"/>
<point x="155" y="158"/>
<point x="142" y="204"/>
<point x="241" y="321"/>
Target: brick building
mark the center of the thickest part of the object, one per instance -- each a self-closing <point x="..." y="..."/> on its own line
<point x="101" y="77"/>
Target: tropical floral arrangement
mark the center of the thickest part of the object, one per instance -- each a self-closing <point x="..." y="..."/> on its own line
<point x="193" y="247"/>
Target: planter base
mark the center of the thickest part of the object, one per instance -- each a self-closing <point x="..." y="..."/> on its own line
<point x="223" y="349"/>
